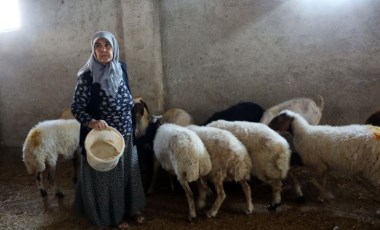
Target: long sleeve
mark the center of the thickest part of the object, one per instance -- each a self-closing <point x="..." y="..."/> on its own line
<point x="81" y="99"/>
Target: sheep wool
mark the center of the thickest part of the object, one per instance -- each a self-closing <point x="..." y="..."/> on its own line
<point x="47" y="141"/>
<point x="350" y="150"/>
<point x="181" y="152"/>
<point x="230" y="162"/>
<point x="269" y="152"/>
<point x="177" y="116"/>
<point x="310" y="109"/>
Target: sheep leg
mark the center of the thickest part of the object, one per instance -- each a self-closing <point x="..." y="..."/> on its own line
<point x="321" y="172"/>
<point x="40" y="184"/>
<point x="220" y="197"/>
<point x="156" y="167"/>
<point x="190" y="199"/>
<point x="297" y="187"/>
<point x="248" y="196"/>
<point x="324" y="194"/>
<point x="202" y="189"/>
<point x="51" y="178"/>
<point x="276" y="192"/>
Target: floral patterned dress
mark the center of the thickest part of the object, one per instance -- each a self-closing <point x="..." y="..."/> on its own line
<point x="107" y="198"/>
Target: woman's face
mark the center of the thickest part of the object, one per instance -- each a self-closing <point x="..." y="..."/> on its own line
<point x="103" y="51"/>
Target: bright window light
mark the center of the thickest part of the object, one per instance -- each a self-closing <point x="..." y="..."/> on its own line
<point x="9" y="16"/>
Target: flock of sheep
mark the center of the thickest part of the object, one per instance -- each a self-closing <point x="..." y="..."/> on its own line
<point x="236" y="144"/>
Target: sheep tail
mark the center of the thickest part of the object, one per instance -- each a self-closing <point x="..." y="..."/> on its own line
<point x="28" y="161"/>
<point x="242" y="173"/>
<point x="28" y="167"/>
<point x="32" y="142"/>
<point x="282" y="161"/>
<point x="242" y="168"/>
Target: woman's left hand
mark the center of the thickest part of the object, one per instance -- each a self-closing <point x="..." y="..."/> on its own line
<point x="97" y="124"/>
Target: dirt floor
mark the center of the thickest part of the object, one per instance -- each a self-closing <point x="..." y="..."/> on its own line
<point x="21" y="206"/>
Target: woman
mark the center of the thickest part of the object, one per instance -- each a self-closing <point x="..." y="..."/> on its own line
<point x="102" y="98"/>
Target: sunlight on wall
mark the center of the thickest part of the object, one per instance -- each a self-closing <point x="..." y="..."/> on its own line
<point x="327" y="4"/>
<point x="9" y="16"/>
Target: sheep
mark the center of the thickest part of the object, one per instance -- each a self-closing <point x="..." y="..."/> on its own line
<point x="143" y="116"/>
<point x="374" y="119"/>
<point x="243" y="111"/>
<point x="230" y="162"/>
<point x="177" y="116"/>
<point x="174" y="116"/>
<point x="67" y="114"/>
<point x="350" y="150"/>
<point x="269" y="153"/>
<point x="45" y="143"/>
<point x="182" y="153"/>
<point x="248" y="111"/>
<point x="310" y="109"/>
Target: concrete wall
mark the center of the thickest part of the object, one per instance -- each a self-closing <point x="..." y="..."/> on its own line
<point x="40" y="61"/>
<point x="217" y="53"/>
<point x="202" y="56"/>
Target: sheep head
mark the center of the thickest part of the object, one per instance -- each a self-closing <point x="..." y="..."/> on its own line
<point x="374" y="119"/>
<point x="282" y="122"/>
<point x="142" y="115"/>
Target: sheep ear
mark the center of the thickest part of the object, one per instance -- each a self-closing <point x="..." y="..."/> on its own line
<point x="138" y="109"/>
<point x="145" y="105"/>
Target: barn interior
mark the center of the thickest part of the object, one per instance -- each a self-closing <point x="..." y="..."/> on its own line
<point x="203" y="57"/>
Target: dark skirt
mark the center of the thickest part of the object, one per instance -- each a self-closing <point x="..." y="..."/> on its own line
<point x="107" y="198"/>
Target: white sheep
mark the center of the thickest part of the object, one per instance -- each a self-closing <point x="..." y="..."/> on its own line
<point x="310" y="109"/>
<point x="143" y="117"/>
<point x="174" y="116"/>
<point x="350" y="150"/>
<point x="269" y="152"/>
<point x="66" y="114"/>
<point x="182" y="153"/>
<point x="177" y="116"/>
<point x="45" y="143"/>
<point x="230" y="162"/>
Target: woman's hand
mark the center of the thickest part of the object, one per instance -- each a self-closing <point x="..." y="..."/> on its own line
<point x="97" y="124"/>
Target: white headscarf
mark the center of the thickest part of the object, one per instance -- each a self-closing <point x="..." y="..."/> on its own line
<point x="109" y="76"/>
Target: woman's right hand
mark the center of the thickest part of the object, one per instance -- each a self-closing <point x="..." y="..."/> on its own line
<point x="97" y="124"/>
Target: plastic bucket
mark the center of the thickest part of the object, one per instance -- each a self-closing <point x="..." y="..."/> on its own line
<point x="104" y="148"/>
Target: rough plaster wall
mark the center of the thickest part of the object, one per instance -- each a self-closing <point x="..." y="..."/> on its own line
<point x="143" y="47"/>
<point x="40" y="61"/>
<point x="217" y="53"/>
